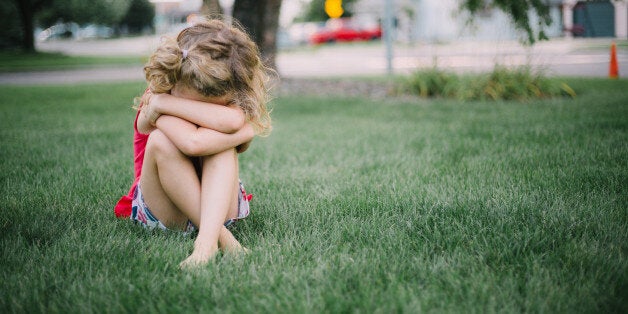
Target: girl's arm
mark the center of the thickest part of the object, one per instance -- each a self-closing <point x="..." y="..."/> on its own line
<point x="192" y="140"/>
<point x="145" y="123"/>
<point x="224" y="119"/>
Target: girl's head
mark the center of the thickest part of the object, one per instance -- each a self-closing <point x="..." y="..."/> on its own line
<point x="216" y="61"/>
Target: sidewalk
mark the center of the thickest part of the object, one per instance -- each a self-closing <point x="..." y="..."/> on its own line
<point x="561" y="57"/>
<point x="89" y="75"/>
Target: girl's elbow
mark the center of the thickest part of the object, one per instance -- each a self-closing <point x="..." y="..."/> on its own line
<point x="198" y="146"/>
<point x="236" y="123"/>
<point x="233" y="121"/>
<point x="192" y="147"/>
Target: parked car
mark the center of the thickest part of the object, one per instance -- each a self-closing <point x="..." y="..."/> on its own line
<point x="74" y="31"/>
<point x="300" y="33"/>
<point x="346" y="29"/>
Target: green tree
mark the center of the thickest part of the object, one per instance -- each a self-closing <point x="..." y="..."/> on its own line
<point x="105" y="12"/>
<point x="139" y="16"/>
<point x="260" y="18"/>
<point x="211" y="8"/>
<point x="518" y="11"/>
<point x="315" y="11"/>
<point x="48" y="12"/>
<point x="10" y="28"/>
<point x="26" y="10"/>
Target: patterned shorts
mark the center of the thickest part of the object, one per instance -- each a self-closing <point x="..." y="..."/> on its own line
<point x="141" y="214"/>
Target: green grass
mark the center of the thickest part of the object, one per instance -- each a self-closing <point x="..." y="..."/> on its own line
<point x="360" y="206"/>
<point x="14" y="61"/>
<point x="620" y="43"/>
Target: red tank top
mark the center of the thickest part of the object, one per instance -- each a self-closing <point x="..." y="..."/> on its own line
<point x="123" y="207"/>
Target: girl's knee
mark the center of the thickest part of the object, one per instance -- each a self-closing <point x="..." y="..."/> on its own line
<point x="228" y="156"/>
<point x="159" y="143"/>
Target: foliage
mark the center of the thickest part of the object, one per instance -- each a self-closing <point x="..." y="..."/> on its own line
<point x="10" y="31"/>
<point x="431" y="83"/>
<point x="139" y="16"/>
<point x="518" y="11"/>
<point x="386" y="206"/>
<point x="315" y="11"/>
<point x="211" y="8"/>
<point x="105" y="12"/>
<point x="14" y="32"/>
<point x="26" y="10"/>
<point x="521" y="83"/>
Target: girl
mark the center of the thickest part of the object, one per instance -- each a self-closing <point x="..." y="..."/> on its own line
<point x="205" y="101"/>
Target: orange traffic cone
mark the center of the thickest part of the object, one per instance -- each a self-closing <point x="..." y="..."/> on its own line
<point x="613" y="71"/>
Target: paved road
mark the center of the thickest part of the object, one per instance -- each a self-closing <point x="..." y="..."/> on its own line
<point x="565" y="57"/>
<point x="559" y="57"/>
<point x="90" y="75"/>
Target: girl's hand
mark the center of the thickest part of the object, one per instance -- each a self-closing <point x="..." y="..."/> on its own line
<point x="150" y="112"/>
<point x="147" y="116"/>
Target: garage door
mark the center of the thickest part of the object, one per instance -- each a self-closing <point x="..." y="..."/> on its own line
<point x="594" y="19"/>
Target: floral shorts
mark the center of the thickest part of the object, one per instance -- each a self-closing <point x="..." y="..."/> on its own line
<point x="141" y="214"/>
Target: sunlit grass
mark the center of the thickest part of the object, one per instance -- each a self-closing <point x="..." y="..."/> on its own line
<point x="360" y="206"/>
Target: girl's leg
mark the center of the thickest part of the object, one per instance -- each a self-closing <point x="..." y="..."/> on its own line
<point x="219" y="184"/>
<point x="172" y="189"/>
<point x="169" y="183"/>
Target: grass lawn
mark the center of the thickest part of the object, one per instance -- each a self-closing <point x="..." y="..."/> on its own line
<point x="38" y="61"/>
<point x="360" y="206"/>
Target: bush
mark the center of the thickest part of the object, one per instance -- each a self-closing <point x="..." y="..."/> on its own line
<point x="432" y="83"/>
<point x="521" y="83"/>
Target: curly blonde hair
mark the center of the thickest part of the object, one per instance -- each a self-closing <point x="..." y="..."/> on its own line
<point x="215" y="60"/>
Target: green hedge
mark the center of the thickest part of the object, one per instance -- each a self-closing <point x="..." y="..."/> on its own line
<point x="520" y="83"/>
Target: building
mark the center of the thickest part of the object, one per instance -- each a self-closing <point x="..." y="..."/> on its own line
<point x="596" y="18"/>
<point x="442" y="20"/>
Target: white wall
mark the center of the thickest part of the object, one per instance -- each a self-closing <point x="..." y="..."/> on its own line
<point x="441" y="21"/>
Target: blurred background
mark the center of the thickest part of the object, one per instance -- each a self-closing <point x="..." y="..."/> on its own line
<point x="347" y="36"/>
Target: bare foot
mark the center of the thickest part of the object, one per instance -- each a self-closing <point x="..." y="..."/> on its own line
<point x="236" y="250"/>
<point x="229" y="244"/>
<point x="198" y="258"/>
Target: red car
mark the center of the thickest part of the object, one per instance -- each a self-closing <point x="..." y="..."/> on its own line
<point x="345" y="29"/>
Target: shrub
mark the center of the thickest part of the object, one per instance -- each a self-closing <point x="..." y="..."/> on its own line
<point x="432" y="83"/>
<point x="521" y="83"/>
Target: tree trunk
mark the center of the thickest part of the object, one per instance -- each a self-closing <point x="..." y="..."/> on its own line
<point x="211" y="8"/>
<point x="27" y="12"/>
<point x="260" y="18"/>
<point x="268" y="43"/>
<point x="250" y="13"/>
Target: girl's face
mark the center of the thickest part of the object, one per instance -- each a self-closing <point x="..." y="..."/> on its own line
<point x="183" y="91"/>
